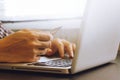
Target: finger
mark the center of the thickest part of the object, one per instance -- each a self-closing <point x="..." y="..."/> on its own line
<point x="44" y="36"/>
<point x="59" y="45"/>
<point x="41" y="35"/>
<point x="39" y="52"/>
<point x="36" y="58"/>
<point x="69" y="48"/>
<point x="41" y="44"/>
<point x="33" y="58"/>
<point x="50" y="52"/>
<point x="74" y="47"/>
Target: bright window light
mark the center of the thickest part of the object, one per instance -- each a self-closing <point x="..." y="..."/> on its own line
<point x="44" y="9"/>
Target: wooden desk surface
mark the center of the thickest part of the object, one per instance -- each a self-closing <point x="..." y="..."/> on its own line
<point x="110" y="71"/>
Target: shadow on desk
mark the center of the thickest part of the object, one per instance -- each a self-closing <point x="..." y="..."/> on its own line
<point x="108" y="71"/>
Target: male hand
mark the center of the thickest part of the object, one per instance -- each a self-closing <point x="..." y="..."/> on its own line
<point x="24" y="46"/>
<point x="61" y="46"/>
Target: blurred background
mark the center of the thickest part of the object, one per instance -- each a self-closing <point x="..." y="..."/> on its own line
<point x="44" y="14"/>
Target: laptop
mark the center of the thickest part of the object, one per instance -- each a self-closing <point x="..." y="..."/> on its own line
<point x="97" y="42"/>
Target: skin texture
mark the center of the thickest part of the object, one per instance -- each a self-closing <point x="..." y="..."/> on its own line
<point x="26" y="45"/>
<point x="61" y="46"/>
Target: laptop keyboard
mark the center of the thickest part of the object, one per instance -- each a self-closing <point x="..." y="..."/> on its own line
<point x="55" y="63"/>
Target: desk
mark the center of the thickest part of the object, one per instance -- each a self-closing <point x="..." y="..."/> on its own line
<point x="110" y="71"/>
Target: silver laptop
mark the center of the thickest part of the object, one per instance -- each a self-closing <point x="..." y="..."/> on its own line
<point x="97" y="42"/>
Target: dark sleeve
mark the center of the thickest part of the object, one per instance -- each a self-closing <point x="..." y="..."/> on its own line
<point x="4" y="32"/>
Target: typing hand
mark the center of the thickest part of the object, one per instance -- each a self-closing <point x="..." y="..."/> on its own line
<point x="61" y="46"/>
<point x="24" y="46"/>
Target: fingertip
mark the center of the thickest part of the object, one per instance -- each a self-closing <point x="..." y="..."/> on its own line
<point x="74" y="47"/>
<point x="71" y="57"/>
<point x="62" y="57"/>
<point x="36" y="58"/>
<point x="49" y="52"/>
